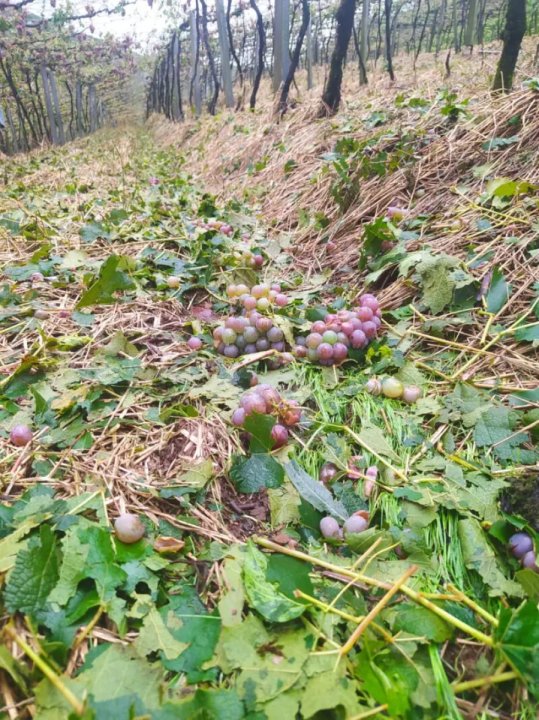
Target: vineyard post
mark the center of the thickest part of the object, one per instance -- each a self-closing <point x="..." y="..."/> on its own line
<point x="59" y="120"/>
<point x="310" y="55"/>
<point x="78" y="101"/>
<point x="281" y="42"/>
<point x="194" y="64"/>
<point x="225" y="54"/>
<point x="48" y="103"/>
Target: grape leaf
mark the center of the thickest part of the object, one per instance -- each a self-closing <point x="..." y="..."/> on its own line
<point x="217" y="704"/>
<point x="325" y="691"/>
<point x="34" y="576"/>
<point x="497" y="425"/>
<point x="260" y="426"/>
<point x="94" y="230"/>
<point x="518" y="636"/>
<point x="499" y="291"/>
<point x="374" y="438"/>
<point x="420" y="621"/>
<point x="154" y="635"/>
<point x="314" y="492"/>
<point x="101" y="564"/>
<point x="13" y="543"/>
<point x="233" y="599"/>
<point x="250" y="474"/>
<point x="74" y="554"/>
<point x="111" y="279"/>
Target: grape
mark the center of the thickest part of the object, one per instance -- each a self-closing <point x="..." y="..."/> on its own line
<point x="387" y="245"/>
<point x="328" y="362"/>
<point x="270" y="395"/>
<point x="312" y="354"/>
<point x="37" y="277"/>
<point x="331" y="246"/>
<point x="257" y="261"/>
<point x="327" y="472"/>
<point x="370" y="302"/>
<point x="262" y="344"/>
<point x="318" y="327"/>
<point x="242" y="289"/>
<point x="281" y="300"/>
<point x="279" y="435"/>
<point x="324" y="351"/>
<point x="334" y="328"/>
<point x="520" y="544"/>
<point x="329" y="527"/>
<point x="218" y="334"/>
<point x="279" y="346"/>
<point x="230" y="322"/>
<point x="64" y="314"/>
<point x="376" y="320"/>
<point x="240" y="324"/>
<point x="250" y="334"/>
<point x="41" y="314"/>
<point x="373" y="386"/>
<point x="249" y="303"/>
<point x="229" y="336"/>
<point x="369" y="328"/>
<point x="240" y="342"/>
<point x="231" y="291"/>
<point x="275" y="334"/>
<point x="340" y="352"/>
<point x="330" y="317"/>
<point x="21" y="435"/>
<point x="378" y="313"/>
<point x="257" y="291"/>
<point x="173" y="282"/>
<point x="364" y="314"/>
<point x="400" y="553"/>
<point x="231" y="351"/>
<point x="368" y="487"/>
<point x="300" y="351"/>
<point x="243" y="298"/>
<point x="420" y="192"/>
<point x="194" y="343"/>
<point x="128" y="528"/>
<point x="238" y="417"/>
<point x="372" y="472"/>
<point x="355" y="524"/>
<point x="529" y="561"/>
<point x="286" y="358"/>
<point x="411" y="394"/>
<point x="329" y="337"/>
<point x="343" y="340"/>
<point x="245" y="236"/>
<point x="221" y="348"/>
<point x="358" y="339"/>
<point x="275" y="287"/>
<point x="253" y="402"/>
<point x="272" y="295"/>
<point x="254" y="317"/>
<point x="313" y="340"/>
<point x="396" y="213"/>
<point x="226" y="229"/>
<point x="357" y="324"/>
<point x="392" y="388"/>
<point x="263" y="304"/>
<point x="301" y="341"/>
<point x="263" y="324"/>
<point x="249" y="349"/>
<point x="347" y="328"/>
<point x="254" y="380"/>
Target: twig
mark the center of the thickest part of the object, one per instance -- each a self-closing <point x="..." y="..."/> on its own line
<point x="481" y="682"/>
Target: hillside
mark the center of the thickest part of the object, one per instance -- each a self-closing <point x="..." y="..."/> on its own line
<point x="310" y="540"/>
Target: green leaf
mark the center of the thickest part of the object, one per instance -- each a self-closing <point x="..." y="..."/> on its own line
<point x="530" y="582"/>
<point x="154" y="635"/>
<point x="497" y="427"/>
<point x="529" y="334"/>
<point x="374" y="438"/>
<point x="290" y="574"/>
<point x="420" y="621"/>
<point x="111" y="279"/>
<point x="205" y="705"/>
<point x="499" y="292"/>
<point x="120" y="345"/>
<point x="74" y="554"/>
<point x="74" y="259"/>
<point x="313" y="492"/>
<point x="262" y="595"/>
<point x="84" y="319"/>
<point x="260" y="426"/>
<point x="233" y="599"/>
<point x="325" y="691"/>
<point x="13" y="543"/>
<point x="101" y="564"/>
<point x="250" y="474"/>
<point x="94" y="230"/>
<point x="12" y="667"/>
<point x="518" y="638"/>
<point x="497" y="142"/>
<point x="34" y="576"/>
<point x="198" y="476"/>
<point x="284" y="504"/>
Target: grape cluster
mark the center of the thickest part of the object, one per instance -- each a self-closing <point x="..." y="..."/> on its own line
<point x="266" y="400"/>
<point x="329" y="340"/>
<point x="247" y="334"/>
<point x="218" y="225"/>
<point x="259" y="297"/>
<point x="521" y="547"/>
<point x="393" y="388"/>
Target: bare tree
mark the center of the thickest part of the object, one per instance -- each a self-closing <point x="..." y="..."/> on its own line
<point x="213" y="102"/>
<point x="344" y="17"/>
<point x="387" y="6"/>
<point x="261" y="52"/>
<point x="513" y="32"/>
<point x="294" y="62"/>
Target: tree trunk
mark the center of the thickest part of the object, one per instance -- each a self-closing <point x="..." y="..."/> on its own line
<point x="441" y="20"/>
<point x="455" y="27"/>
<point x="471" y="25"/>
<point x="344" y="17"/>
<point x="306" y="16"/>
<point x="364" y="45"/>
<point x="231" y="43"/>
<point x="515" y="27"/>
<point x="261" y="51"/>
<point x="387" y="5"/>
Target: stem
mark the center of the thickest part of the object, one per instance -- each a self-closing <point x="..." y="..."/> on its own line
<point x="473" y="605"/>
<point x="412" y="594"/>
<point x="481" y="682"/>
<point x="75" y="703"/>
<point x="370" y="713"/>
<point x="88" y="629"/>
<point x="366" y="447"/>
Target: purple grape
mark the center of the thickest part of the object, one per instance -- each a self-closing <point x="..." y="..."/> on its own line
<point x="218" y="333"/>
<point x="239" y="324"/>
<point x="358" y="325"/>
<point x="254" y="318"/>
<point x="376" y="320"/>
<point x="370" y="302"/>
<point x="329" y="528"/>
<point x="257" y="291"/>
<point x="128" y="528"/>
<point x="335" y="327"/>
<point x="238" y="417"/>
<point x="240" y="342"/>
<point x="249" y="349"/>
<point x="318" y="327"/>
<point x="194" y="343"/>
<point x="275" y="287"/>
<point x="281" y="300"/>
<point x="313" y="340"/>
<point x="254" y="380"/>
<point x="221" y="348"/>
<point x="340" y="352"/>
<point x="369" y="328"/>
<point x="324" y="351"/>
<point x="270" y="395"/>
<point x="253" y="402"/>
<point x="365" y="314"/>
<point x="355" y="524"/>
<point x="529" y="561"/>
<point x="300" y="351"/>
<point x="275" y="334"/>
<point x="301" y="341"/>
<point x="343" y="339"/>
<point x="279" y="435"/>
<point x="327" y="472"/>
<point x="264" y="324"/>
<point x="279" y="346"/>
<point x="262" y="344"/>
<point x="257" y="261"/>
<point x="358" y="339"/>
<point x="286" y="358"/>
<point x="372" y="472"/>
<point x="520" y="544"/>
<point x="411" y="394"/>
<point x="250" y="334"/>
<point x="231" y="351"/>
<point x="249" y="302"/>
<point x="21" y="435"/>
<point x="347" y="328"/>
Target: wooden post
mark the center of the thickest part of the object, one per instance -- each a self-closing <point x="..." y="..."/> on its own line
<point x="309" y="57"/>
<point x="225" y="54"/>
<point x="56" y="101"/>
<point x="12" y="128"/>
<point x="281" y="31"/>
<point x="194" y="65"/>
<point x="78" y="102"/>
<point x="48" y="103"/>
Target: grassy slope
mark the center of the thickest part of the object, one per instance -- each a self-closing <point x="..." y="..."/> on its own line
<point x="113" y="392"/>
